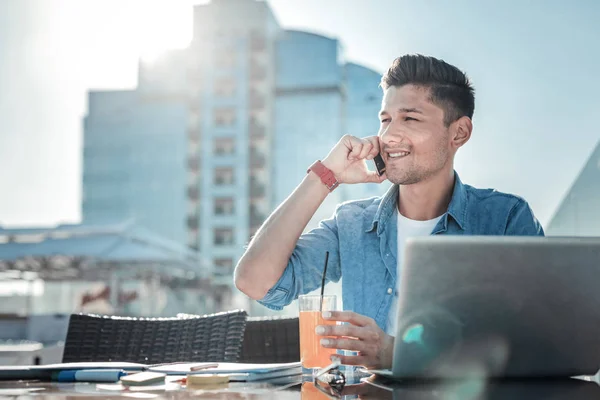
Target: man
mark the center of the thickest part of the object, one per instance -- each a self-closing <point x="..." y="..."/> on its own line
<point x="426" y="116"/>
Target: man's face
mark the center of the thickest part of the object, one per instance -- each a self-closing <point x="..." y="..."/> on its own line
<point x="415" y="143"/>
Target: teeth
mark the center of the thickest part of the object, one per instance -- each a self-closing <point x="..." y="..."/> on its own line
<point x="400" y="154"/>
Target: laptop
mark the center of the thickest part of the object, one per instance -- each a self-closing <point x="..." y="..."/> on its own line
<point x="498" y="307"/>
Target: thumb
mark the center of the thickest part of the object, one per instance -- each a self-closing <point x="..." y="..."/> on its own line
<point x="373" y="177"/>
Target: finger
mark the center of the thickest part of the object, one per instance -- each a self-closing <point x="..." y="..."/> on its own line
<point x="356" y="146"/>
<point x="351" y="360"/>
<point x="344" y="344"/>
<point x="343" y="330"/>
<point x="373" y="177"/>
<point x="348" y="316"/>
<point x="366" y="149"/>
<point x="374" y="140"/>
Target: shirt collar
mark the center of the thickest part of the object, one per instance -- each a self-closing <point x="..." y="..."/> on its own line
<point x="457" y="208"/>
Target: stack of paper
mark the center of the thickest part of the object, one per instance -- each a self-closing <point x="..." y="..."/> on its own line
<point x="236" y="371"/>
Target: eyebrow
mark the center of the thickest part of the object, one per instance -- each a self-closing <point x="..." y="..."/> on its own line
<point x="403" y="110"/>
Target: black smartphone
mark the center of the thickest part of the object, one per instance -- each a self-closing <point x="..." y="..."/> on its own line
<point x="379" y="164"/>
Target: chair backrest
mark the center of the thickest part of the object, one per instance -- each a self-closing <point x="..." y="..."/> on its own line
<point x="271" y="340"/>
<point x="215" y="337"/>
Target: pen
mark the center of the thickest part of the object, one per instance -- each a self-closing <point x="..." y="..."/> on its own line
<point x="202" y="366"/>
<point x="90" y="375"/>
<point x="192" y="366"/>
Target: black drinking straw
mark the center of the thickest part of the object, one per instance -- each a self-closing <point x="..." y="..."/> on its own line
<point x="323" y="280"/>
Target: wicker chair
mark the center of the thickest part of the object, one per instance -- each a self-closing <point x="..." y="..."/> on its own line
<point x="216" y="337"/>
<point x="271" y="340"/>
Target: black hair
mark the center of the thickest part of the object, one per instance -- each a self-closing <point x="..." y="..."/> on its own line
<point x="449" y="87"/>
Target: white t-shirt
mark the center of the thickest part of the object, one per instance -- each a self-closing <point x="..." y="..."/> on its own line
<point x="406" y="228"/>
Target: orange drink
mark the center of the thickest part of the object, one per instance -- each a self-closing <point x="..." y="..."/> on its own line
<point x="310" y="392"/>
<point x="312" y="354"/>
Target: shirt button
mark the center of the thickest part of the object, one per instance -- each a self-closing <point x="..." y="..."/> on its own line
<point x="389" y="291"/>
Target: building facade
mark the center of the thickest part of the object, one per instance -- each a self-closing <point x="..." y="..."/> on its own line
<point x="216" y="135"/>
<point x="579" y="212"/>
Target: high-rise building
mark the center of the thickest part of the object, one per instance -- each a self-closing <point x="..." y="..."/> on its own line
<point x="216" y="135"/>
<point x="134" y="161"/>
<point x="579" y="212"/>
<point x="309" y="111"/>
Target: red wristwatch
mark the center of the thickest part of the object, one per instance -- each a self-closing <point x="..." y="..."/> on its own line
<point x="326" y="175"/>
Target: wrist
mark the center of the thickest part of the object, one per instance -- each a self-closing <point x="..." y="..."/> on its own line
<point x="314" y="180"/>
<point x="327" y="177"/>
<point x="330" y="166"/>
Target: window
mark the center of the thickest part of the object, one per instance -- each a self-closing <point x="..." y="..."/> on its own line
<point x="223" y="236"/>
<point x="192" y="222"/>
<point x="224" y="176"/>
<point x="193" y="163"/>
<point x="224" y="87"/>
<point x="224" y="206"/>
<point x="256" y="216"/>
<point x="224" y="117"/>
<point x="224" y="263"/>
<point x="257" y="99"/>
<point x="224" y="146"/>
<point x="225" y="59"/>
<point x="257" y="189"/>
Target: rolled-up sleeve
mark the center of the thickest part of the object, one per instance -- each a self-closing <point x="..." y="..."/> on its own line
<point x="304" y="271"/>
<point x="522" y="221"/>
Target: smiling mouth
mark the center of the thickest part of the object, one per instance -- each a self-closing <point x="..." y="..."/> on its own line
<point x="398" y="154"/>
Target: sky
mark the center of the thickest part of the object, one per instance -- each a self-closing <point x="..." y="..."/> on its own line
<point x="533" y="63"/>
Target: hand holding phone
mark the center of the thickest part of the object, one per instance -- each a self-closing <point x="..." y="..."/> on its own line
<point x="347" y="160"/>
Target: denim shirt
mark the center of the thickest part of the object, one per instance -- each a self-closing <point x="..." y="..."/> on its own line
<point x="362" y="241"/>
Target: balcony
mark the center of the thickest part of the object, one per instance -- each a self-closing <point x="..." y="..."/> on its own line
<point x="257" y="219"/>
<point x="193" y="222"/>
<point x="257" y="131"/>
<point x="257" y="160"/>
<point x="193" y="164"/>
<point x="257" y="190"/>
<point x="224" y="206"/>
<point x="223" y="241"/>
<point x="257" y="101"/>
<point x="192" y="192"/>
<point x="194" y="135"/>
<point x="258" y="73"/>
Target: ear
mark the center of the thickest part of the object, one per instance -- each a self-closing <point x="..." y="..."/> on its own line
<point x="461" y="131"/>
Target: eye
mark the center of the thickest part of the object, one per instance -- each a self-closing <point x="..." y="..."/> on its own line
<point x="383" y="121"/>
<point x="410" y="119"/>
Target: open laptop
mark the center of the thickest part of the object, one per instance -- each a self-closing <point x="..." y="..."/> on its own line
<point x="498" y="307"/>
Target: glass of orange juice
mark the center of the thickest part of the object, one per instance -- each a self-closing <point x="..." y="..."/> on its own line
<point x="312" y="355"/>
<point x="309" y="391"/>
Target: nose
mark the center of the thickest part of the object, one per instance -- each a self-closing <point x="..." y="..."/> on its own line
<point x="391" y="134"/>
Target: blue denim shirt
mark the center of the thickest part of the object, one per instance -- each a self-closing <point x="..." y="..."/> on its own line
<point x="361" y="238"/>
